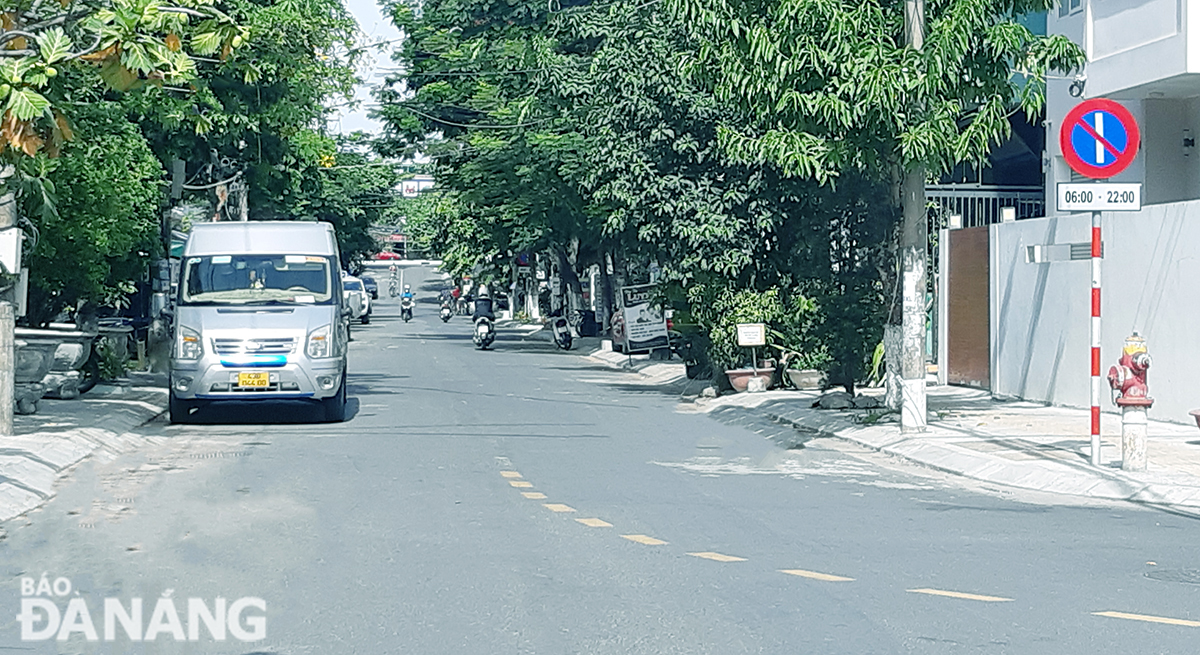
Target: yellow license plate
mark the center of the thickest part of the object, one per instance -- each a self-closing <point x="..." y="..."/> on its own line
<point x="254" y="379"/>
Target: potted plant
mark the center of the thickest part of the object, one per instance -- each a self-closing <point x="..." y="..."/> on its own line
<point x="803" y="370"/>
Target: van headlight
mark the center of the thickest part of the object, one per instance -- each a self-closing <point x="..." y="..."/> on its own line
<point x="189" y="345"/>
<point x="319" y="342"/>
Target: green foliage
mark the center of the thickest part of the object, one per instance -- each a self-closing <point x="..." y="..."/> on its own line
<point x="789" y="323"/>
<point x="827" y="86"/>
<point x="108" y="188"/>
<point x="113" y="361"/>
<point x="261" y="110"/>
<point x="748" y="148"/>
<point x="359" y="191"/>
<point x="122" y="44"/>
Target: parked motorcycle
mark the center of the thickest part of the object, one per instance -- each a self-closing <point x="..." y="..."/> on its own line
<point x="406" y="309"/>
<point x="446" y="312"/>
<point x="485" y="333"/>
<point x="561" y="332"/>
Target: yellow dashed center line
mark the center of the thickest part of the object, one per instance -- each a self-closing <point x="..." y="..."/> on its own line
<point x="1148" y="618"/>
<point x="816" y="576"/>
<point x="534" y="495"/>
<point x="595" y="523"/>
<point x="718" y="557"/>
<point x="509" y="474"/>
<point x="959" y="594"/>
<point x="557" y="507"/>
<point x="643" y="539"/>
<point x="520" y="484"/>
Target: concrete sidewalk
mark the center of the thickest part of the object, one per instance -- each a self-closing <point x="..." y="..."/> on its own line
<point x="1017" y="444"/>
<point x="64" y="432"/>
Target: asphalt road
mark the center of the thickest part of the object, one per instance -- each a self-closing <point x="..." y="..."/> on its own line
<point x="530" y="501"/>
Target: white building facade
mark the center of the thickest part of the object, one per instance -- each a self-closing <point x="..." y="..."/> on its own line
<point x="1144" y="54"/>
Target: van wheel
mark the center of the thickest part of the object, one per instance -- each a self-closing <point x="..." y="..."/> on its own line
<point x="335" y="407"/>
<point x="178" y="410"/>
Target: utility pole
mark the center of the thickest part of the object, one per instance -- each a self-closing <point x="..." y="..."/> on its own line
<point x="914" y="240"/>
<point x="8" y="325"/>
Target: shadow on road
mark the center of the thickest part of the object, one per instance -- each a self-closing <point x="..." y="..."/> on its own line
<point x="266" y="412"/>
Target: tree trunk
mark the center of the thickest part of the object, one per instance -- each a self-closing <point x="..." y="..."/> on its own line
<point x="893" y="341"/>
<point x="606" y="293"/>
<point x="569" y="283"/>
<point x="914" y="244"/>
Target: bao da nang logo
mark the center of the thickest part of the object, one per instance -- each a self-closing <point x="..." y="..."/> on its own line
<point x="50" y="610"/>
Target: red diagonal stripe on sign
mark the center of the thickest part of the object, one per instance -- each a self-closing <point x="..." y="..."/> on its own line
<point x="1095" y="135"/>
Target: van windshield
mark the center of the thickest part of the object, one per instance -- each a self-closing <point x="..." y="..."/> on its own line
<point x="256" y="279"/>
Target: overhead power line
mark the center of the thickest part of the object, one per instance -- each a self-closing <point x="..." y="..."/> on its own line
<point x="476" y="125"/>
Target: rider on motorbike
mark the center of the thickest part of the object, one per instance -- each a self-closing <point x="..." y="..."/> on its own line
<point x="483" y="305"/>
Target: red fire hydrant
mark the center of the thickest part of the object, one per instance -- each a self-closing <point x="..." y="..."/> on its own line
<point x="1128" y="381"/>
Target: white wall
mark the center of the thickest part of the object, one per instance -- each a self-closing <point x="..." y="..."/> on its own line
<point x="1146" y="55"/>
<point x="1131" y="43"/>
<point x="1151" y="284"/>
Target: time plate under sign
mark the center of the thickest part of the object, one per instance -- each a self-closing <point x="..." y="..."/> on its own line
<point x="1100" y="197"/>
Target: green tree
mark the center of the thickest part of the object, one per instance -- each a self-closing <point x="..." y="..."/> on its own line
<point x="124" y="44"/>
<point x="261" y="114"/>
<point x="356" y="193"/>
<point x="825" y="86"/>
<point x="108" y="187"/>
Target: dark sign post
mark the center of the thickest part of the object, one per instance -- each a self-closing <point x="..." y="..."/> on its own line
<point x="1099" y="138"/>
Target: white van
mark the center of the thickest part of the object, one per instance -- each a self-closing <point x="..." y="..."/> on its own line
<point x="259" y="316"/>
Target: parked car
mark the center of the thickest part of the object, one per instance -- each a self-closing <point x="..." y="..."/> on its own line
<point x="387" y="254"/>
<point x="259" y="317"/>
<point x="358" y="298"/>
<point x="372" y="286"/>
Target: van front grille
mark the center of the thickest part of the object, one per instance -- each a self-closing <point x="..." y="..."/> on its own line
<point x="262" y="346"/>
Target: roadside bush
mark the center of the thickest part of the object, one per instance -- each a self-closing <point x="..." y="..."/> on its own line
<point x="790" y="320"/>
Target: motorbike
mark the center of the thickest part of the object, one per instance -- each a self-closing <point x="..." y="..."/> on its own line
<point x="485" y="333"/>
<point x="562" y="332"/>
<point x="406" y="309"/>
<point x="445" y="312"/>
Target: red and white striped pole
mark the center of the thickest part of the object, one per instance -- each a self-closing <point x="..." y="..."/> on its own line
<point x="1096" y="252"/>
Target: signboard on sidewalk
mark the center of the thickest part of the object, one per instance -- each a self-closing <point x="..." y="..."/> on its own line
<point x="645" y="325"/>
<point x="752" y="335"/>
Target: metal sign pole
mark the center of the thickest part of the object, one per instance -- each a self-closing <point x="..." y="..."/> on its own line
<point x="1098" y="149"/>
<point x="1096" y="251"/>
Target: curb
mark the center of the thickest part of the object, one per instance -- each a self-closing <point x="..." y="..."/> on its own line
<point x="1050" y="476"/>
<point x="32" y="463"/>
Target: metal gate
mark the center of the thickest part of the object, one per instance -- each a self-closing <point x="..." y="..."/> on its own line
<point x="968" y="344"/>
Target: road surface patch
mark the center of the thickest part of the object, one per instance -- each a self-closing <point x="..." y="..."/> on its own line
<point x="959" y="594"/>
<point x="509" y="474"/>
<point x="520" y="484"/>
<point x="534" y="495"/>
<point x="558" y="507"/>
<point x="816" y="576"/>
<point x="1148" y="618"/>
<point x="643" y="539"/>
<point x="595" y="523"/>
<point x="718" y="557"/>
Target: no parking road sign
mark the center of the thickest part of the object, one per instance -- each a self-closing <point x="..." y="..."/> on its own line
<point x="1099" y="138"/>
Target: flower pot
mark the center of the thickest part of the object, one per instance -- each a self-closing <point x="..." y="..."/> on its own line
<point x="805" y="378"/>
<point x="739" y="378"/>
